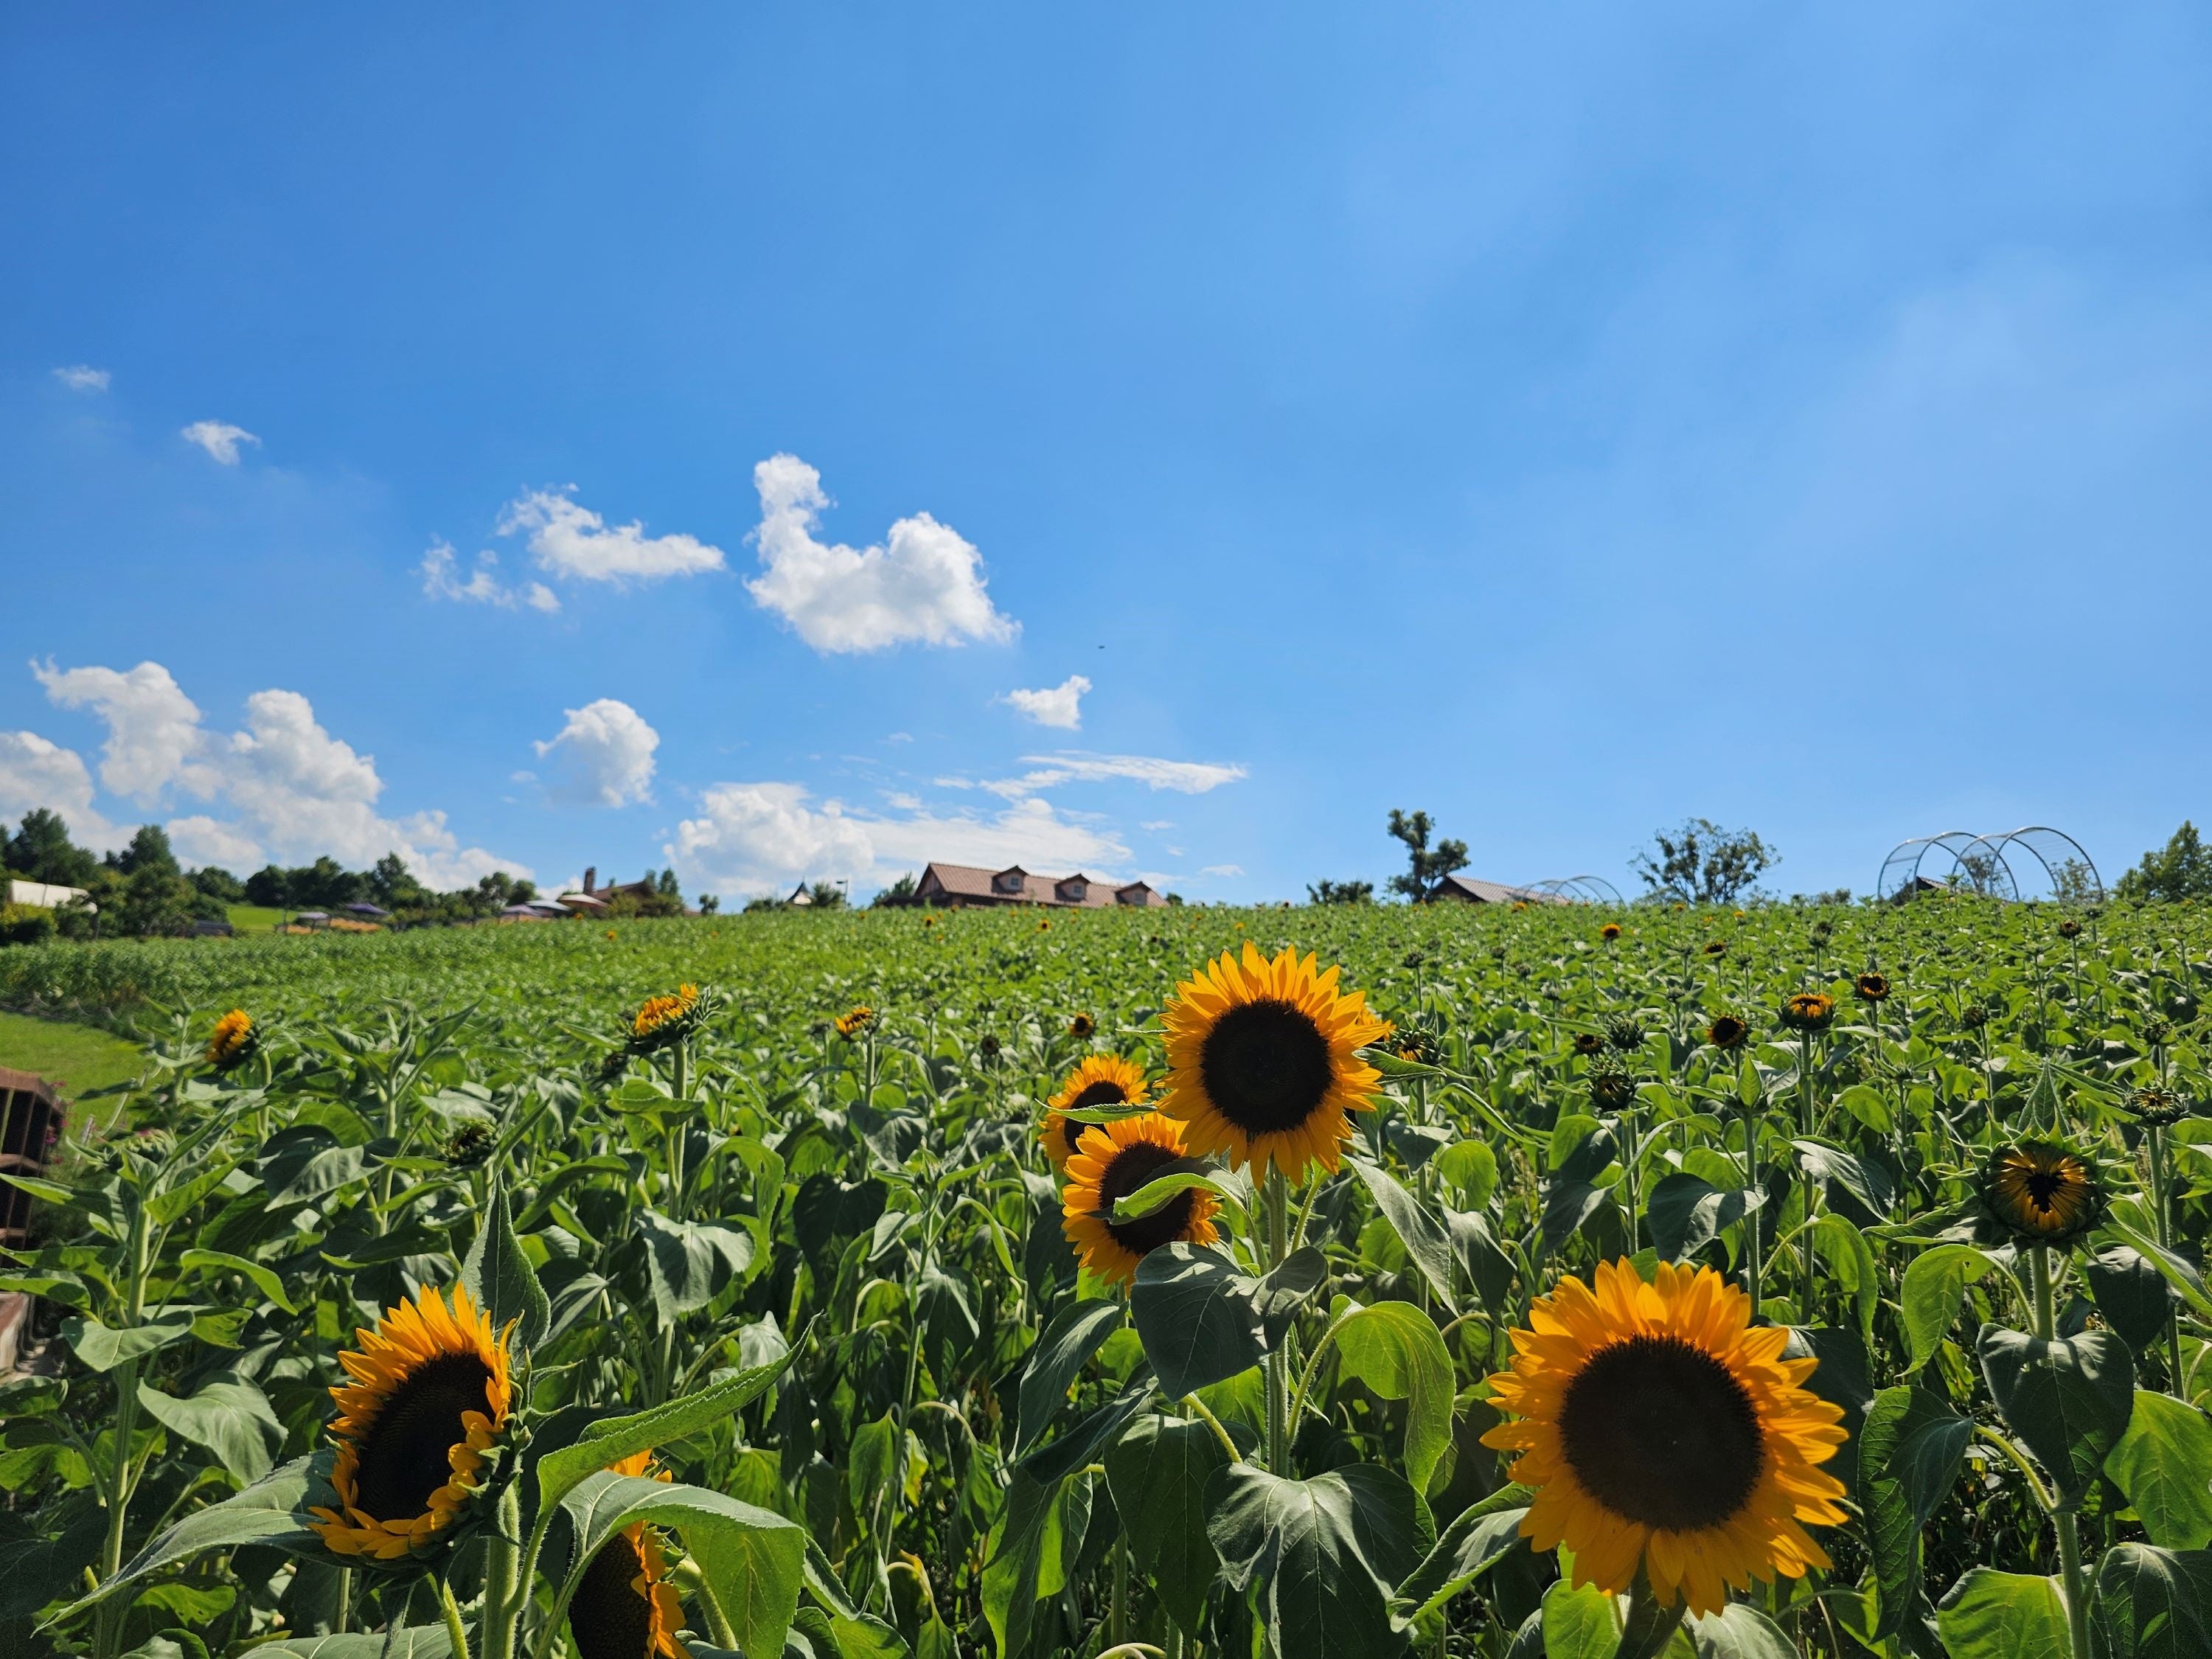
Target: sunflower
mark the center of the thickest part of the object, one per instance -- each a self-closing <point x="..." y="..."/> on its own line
<point x="1726" y="1031"/>
<point x="1871" y="986"/>
<point x="1809" y="1012"/>
<point x="1715" y="947"/>
<point x="668" y="1019"/>
<point x="1665" y="1434"/>
<point x="1610" y="932"/>
<point x="1264" y="1061"/>
<point x="1100" y="1080"/>
<point x="2070" y="928"/>
<point x="1081" y="1026"/>
<point x="2042" y="1194"/>
<point x="1624" y="1032"/>
<point x="429" y="1399"/>
<point x="854" y="1021"/>
<point x="1111" y="1161"/>
<point x="1519" y="905"/>
<point x="233" y="1041"/>
<point x="624" y="1607"/>
<point x="2155" y="1105"/>
<point x="1612" y="1089"/>
<point x="1588" y="1043"/>
<point x="1416" y="1042"/>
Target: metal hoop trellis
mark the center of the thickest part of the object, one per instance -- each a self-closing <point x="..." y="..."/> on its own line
<point x="1580" y="890"/>
<point x="2032" y="862"/>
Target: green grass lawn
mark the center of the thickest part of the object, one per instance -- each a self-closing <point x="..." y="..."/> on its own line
<point x="79" y="1058"/>
<point x="254" y="918"/>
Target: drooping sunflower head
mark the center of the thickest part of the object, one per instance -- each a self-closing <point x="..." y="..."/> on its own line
<point x="854" y="1021"/>
<point x="1726" y="1031"/>
<point x="1587" y="1044"/>
<point x="1715" y="947"/>
<point x="1264" y="1061"/>
<point x="2155" y="1105"/>
<point x="663" y="1020"/>
<point x="1100" y="1080"/>
<point x="624" y="1607"/>
<point x="1612" y="1089"/>
<point x="418" y="1427"/>
<point x="2070" y="928"/>
<point x="1610" y="932"/>
<point x="233" y="1041"/>
<point x="1081" y="1027"/>
<point x="1871" y="986"/>
<point x="1974" y="1017"/>
<point x="2042" y="1194"/>
<point x="1664" y="1432"/>
<point x="1111" y="1161"/>
<point x="1809" y="1010"/>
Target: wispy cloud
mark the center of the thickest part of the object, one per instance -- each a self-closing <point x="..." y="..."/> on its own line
<point x="83" y="377"/>
<point x="1074" y="766"/>
<point x="569" y="539"/>
<point x="220" y="439"/>
<point x="441" y="579"/>
<point x="1060" y="705"/>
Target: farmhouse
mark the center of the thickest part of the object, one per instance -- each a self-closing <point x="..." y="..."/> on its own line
<point x="1468" y="889"/>
<point x="962" y="884"/>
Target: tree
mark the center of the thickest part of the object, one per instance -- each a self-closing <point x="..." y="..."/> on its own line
<point x="392" y="884"/>
<point x="666" y="887"/>
<point x="1339" y="892"/>
<point x="149" y="849"/>
<point x="898" y="893"/>
<point x="2181" y="870"/>
<point x="268" y="887"/>
<point x="1702" y="863"/>
<point x="827" y="896"/>
<point x="1426" y="866"/>
<point x="218" y="883"/>
<point x="710" y="904"/>
<point x="40" y="850"/>
<point x="156" y="901"/>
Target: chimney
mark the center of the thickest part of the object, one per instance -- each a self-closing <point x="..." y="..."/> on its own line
<point x="590" y="870"/>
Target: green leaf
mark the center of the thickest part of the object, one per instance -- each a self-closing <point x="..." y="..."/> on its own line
<point x="1868" y="1182"/>
<point x="415" y="1641"/>
<point x="230" y="1417"/>
<point x="1910" y="1453"/>
<point x="752" y="1558"/>
<point x="2164" y="1464"/>
<point x="101" y="1348"/>
<point x="1199" y="1315"/>
<point x="1396" y="1350"/>
<point x="2003" y="1615"/>
<point x="617" y="1438"/>
<point x="2130" y="1292"/>
<point x="305" y="1161"/>
<point x="2176" y="1270"/>
<point x="166" y="1207"/>
<point x="1933" y="1291"/>
<point x="1063" y="1351"/>
<point x="1162" y="1189"/>
<point x="1158" y="1473"/>
<point x="871" y="1466"/>
<point x="1324" y="1553"/>
<point x="265" y="1513"/>
<point x="1686" y="1214"/>
<point x="2154" y="1603"/>
<point x="1850" y="1259"/>
<point x="1470" y="1169"/>
<point x="1740" y="1631"/>
<point x="261" y="1278"/>
<point x="2067" y="1399"/>
<point x="1036" y="1543"/>
<point x="690" y="1262"/>
<point x="1471" y="1546"/>
<point x="1425" y="1238"/>
<point x="1570" y="1207"/>
<point x="1581" y="1623"/>
<point x="499" y="1278"/>
<point x="46" y="1555"/>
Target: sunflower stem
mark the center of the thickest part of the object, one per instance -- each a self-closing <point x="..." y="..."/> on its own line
<point x="505" y="1590"/>
<point x="1650" y="1626"/>
<point x="456" y="1632"/>
<point x="2065" y="1522"/>
<point x="1755" y="1221"/>
<point x="1279" y="1380"/>
<point x="109" y="1629"/>
<point x="2161" y="1214"/>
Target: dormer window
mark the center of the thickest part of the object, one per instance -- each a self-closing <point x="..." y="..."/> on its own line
<point x="1010" y="881"/>
<point x="1135" y="893"/>
<point x="1073" y="888"/>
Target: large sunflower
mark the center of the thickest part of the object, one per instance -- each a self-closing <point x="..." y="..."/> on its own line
<point x="2043" y="1194"/>
<point x="429" y="1397"/>
<point x="662" y="1020"/>
<point x="1264" y="1061"/>
<point x="1111" y="1161"/>
<point x="1100" y="1080"/>
<point x="234" y="1041"/>
<point x="624" y="1607"/>
<point x="1662" y="1432"/>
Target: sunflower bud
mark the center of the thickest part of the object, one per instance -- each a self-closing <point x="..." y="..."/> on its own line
<point x="2042" y="1194"/>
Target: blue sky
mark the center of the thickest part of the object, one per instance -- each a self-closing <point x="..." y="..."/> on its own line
<point x="1562" y="419"/>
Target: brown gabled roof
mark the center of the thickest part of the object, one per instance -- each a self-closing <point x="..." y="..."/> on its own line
<point x="969" y="881"/>
<point x="1490" y="892"/>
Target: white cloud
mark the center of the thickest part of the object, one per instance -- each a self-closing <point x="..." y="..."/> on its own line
<point x="752" y="836"/>
<point x="1060" y="705"/>
<point x="153" y="728"/>
<point x="925" y="583"/>
<point x="571" y="540"/>
<point x="1074" y="766"/>
<point x="200" y="839"/>
<point x="1221" y="870"/>
<point x="35" y="773"/>
<point x="603" y="754"/>
<point x="219" y="438"/>
<point x="1156" y="824"/>
<point x="442" y="581"/>
<point x="83" y="377"/>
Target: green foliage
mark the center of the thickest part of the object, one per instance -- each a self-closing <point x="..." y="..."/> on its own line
<point x="1340" y="892"/>
<point x="1425" y="865"/>
<point x="1702" y="863"/>
<point x="2179" y="870"/>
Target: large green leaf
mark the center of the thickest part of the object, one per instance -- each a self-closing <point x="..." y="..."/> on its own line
<point x="415" y="1641"/>
<point x="500" y="1279"/>
<point x="266" y="1512"/>
<point x="1158" y="1473"/>
<point x="1470" y="1546"/>
<point x="1396" y="1350"/>
<point x="2003" y="1615"/>
<point x="1909" y="1456"/>
<point x="263" y="1279"/>
<point x="1685" y="1213"/>
<point x="2130" y="1292"/>
<point x="753" y="1559"/>
<point x="1933" y="1291"/>
<point x="617" y="1438"/>
<point x="101" y="1348"/>
<point x="2164" y="1464"/>
<point x="1033" y="1549"/>
<point x="230" y="1417"/>
<point x="47" y="1554"/>
<point x="2154" y="1603"/>
<point x="1064" y="1349"/>
<point x="1198" y="1315"/>
<point x="690" y="1262"/>
<point x="1581" y="1623"/>
<point x="1740" y="1631"/>
<point x="1323" y="1552"/>
<point x="1427" y="1240"/>
<point x="2068" y="1400"/>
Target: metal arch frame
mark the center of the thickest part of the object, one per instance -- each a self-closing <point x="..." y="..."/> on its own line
<point x="1907" y="857"/>
<point x="1910" y="854"/>
<point x="2023" y="837"/>
<point x="1580" y="890"/>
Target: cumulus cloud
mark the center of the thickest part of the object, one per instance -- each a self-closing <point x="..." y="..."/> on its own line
<point x="440" y="572"/>
<point x="219" y="438"/>
<point x="570" y="540"/>
<point x="750" y="836"/>
<point x="154" y="734"/>
<point x="36" y="772"/>
<point x="83" y="377"/>
<point x="1074" y="766"/>
<point x="924" y="583"/>
<point x="1060" y="705"/>
<point x="200" y="839"/>
<point x="603" y="754"/>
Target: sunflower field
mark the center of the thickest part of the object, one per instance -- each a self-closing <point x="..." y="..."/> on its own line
<point x="1351" y="1281"/>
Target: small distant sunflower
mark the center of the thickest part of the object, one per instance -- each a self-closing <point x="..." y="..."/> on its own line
<point x="1726" y="1031"/>
<point x="664" y="1020"/>
<point x="1081" y="1027"/>
<point x="1612" y="1089"/>
<point x="1588" y="1043"/>
<point x="929" y="922"/>
<point x="854" y="1021"/>
<point x="1416" y="1040"/>
<point x="1624" y="1032"/>
<point x="2042" y="1194"/>
<point x="1809" y="1010"/>
<point x="428" y="1401"/>
<point x="1044" y="925"/>
<point x="1664" y="1433"/>
<point x="1264" y="1061"/>
<point x="2155" y="1106"/>
<point x="469" y="1146"/>
<point x="2070" y="928"/>
<point x="234" y="1041"/>
<point x="1871" y="986"/>
<point x="624" y="1607"/>
<point x="1520" y="905"/>
<point x="1100" y="1080"/>
<point x="1610" y="932"/>
<point x="986" y="1049"/>
<point x="1111" y="1161"/>
<point x="1715" y="947"/>
<point x="1974" y="1017"/>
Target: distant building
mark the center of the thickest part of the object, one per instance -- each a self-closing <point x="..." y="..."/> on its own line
<point x="801" y="894"/>
<point x="614" y="890"/>
<point x="45" y="894"/>
<point x="959" y="884"/>
<point x="1469" y="890"/>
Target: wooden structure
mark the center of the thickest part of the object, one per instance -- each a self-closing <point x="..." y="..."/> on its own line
<point x="31" y="1119"/>
<point x="960" y="885"/>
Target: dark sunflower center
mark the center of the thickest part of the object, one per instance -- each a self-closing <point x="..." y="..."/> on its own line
<point x="1661" y="1432"/>
<point x="403" y="1457"/>
<point x="1131" y="1167"/>
<point x="2043" y="1186"/>
<point x="1266" y="1067"/>
<point x="1102" y="1093"/>
<point x="608" y="1617"/>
